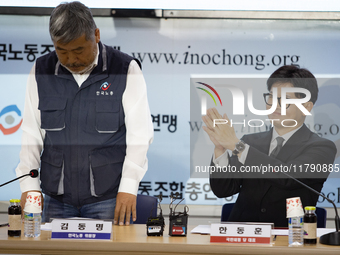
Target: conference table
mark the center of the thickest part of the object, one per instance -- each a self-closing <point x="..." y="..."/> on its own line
<point x="134" y="240"/>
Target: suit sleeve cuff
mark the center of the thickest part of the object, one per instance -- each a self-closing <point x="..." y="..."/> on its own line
<point x="244" y="154"/>
<point x="221" y="160"/>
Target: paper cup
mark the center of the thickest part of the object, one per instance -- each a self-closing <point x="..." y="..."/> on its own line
<point x="33" y="202"/>
<point x="294" y="207"/>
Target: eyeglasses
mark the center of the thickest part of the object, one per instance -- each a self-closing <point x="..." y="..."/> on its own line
<point x="268" y="98"/>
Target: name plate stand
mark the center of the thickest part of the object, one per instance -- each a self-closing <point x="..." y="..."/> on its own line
<point x="86" y="229"/>
<point x="241" y="233"/>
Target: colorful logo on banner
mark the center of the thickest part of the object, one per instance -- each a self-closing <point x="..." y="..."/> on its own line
<point x="212" y="89"/>
<point x="10" y="119"/>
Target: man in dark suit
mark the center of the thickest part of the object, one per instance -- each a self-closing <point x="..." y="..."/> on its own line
<point x="260" y="159"/>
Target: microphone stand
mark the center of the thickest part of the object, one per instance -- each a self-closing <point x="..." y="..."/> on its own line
<point x="32" y="173"/>
<point x="14" y="180"/>
<point x="332" y="238"/>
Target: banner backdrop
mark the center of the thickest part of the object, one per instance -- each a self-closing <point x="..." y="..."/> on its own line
<point x="172" y="51"/>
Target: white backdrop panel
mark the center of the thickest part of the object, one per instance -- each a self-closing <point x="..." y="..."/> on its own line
<point x="172" y="51"/>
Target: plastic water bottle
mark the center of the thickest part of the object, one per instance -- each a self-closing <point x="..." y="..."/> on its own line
<point x="32" y="215"/>
<point x="295" y="231"/>
<point x="32" y="224"/>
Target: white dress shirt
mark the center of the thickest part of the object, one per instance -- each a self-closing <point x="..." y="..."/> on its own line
<point x="139" y="130"/>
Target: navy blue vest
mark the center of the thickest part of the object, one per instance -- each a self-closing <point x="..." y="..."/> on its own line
<point x="85" y="143"/>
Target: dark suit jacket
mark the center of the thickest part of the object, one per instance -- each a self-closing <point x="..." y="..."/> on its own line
<point x="262" y="196"/>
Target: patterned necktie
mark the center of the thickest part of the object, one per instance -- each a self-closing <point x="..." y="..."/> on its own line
<point x="278" y="147"/>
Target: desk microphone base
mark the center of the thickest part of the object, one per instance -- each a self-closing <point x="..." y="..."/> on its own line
<point x="330" y="239"/>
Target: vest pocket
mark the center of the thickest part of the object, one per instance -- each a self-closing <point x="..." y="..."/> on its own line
<point x="107" y="116"/>
<point x="52" y="171"/>
<point x="105" y="169"/>
<point x="52" y="110"/>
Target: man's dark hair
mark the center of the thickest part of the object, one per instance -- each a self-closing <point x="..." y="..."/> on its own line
<point x="298" y="77"/>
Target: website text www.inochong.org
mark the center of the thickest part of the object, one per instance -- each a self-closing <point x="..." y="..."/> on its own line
<point x="219" y="58"/>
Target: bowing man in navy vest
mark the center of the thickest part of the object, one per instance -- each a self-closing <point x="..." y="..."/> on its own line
<point x="289" y="144"/>
<point x="87" y="123"/>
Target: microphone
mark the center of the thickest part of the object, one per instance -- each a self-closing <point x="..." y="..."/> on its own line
<point x="33" y="173"/>
<point x="332" y="238"/>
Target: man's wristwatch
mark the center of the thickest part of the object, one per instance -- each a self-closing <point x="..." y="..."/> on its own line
<point x="239" y="147"/>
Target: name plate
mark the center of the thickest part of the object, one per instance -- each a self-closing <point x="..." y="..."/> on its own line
<point x="86" y="229"/>
<point x="242" y="233"/>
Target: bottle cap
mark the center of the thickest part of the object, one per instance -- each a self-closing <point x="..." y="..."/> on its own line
<point x="310" y="208"/>
<point x="14" y="201"/>
<point x="33" y="202"/>
<point x="294" y="207"/>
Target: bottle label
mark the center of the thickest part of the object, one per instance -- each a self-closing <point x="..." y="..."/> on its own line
<point x="295" y="221"/>
<point x="14" y="222"/>
<point x="309" y="231"/>
<point x="31" y="215"/>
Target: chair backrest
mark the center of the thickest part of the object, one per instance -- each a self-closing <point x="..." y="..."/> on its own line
<point x="321" y="213"/>
<point x="226" y="210"/>
<point x="146" y="207"/>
